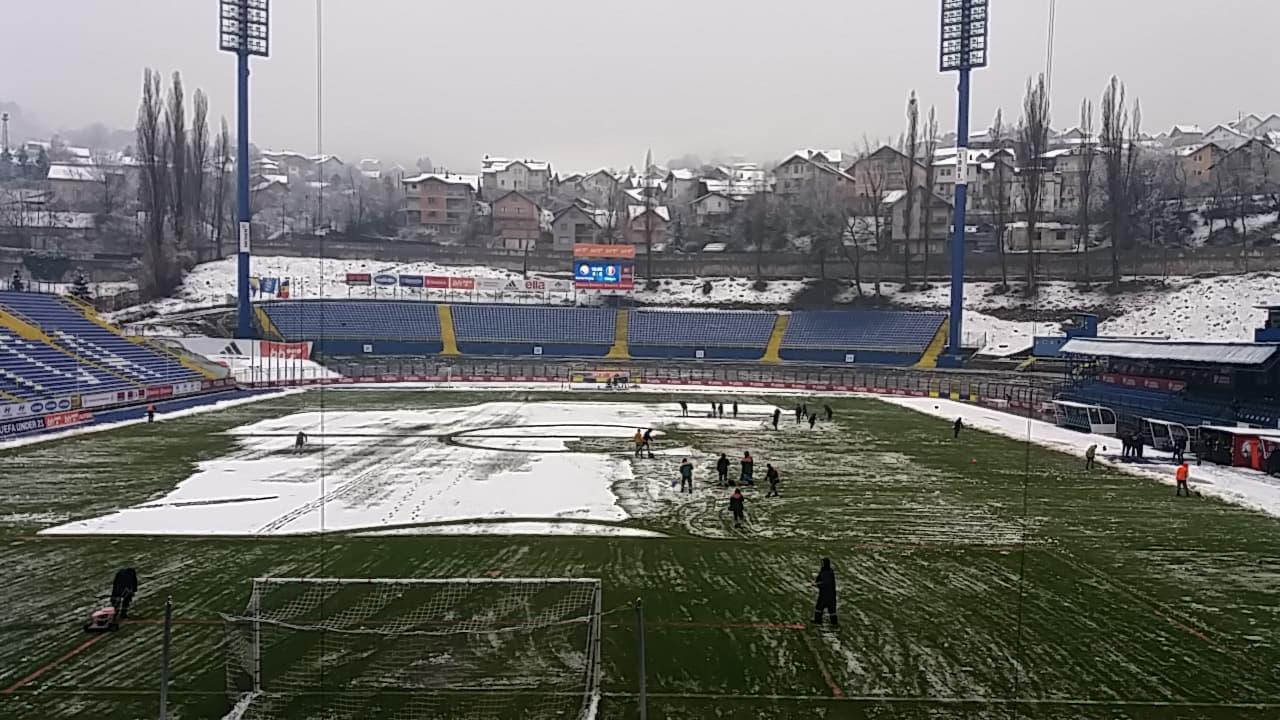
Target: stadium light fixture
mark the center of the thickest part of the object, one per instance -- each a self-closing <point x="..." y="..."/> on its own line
<point x="962" y="47"/>
<point x="244" y="29"/>
<point x="243" y="26"/>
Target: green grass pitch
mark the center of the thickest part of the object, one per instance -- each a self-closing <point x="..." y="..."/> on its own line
<point x="1125" y="602"/>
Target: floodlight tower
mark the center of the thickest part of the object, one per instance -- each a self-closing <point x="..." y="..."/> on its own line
<point x="963" y="48"/>
<point x="242" y="29"/>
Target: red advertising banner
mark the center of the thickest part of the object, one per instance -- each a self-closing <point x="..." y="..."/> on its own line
<point x="359" y="278"/>
<point x="286" y="350"/>
<point x="67" y="419"/>
<point x="159" y="391"/>
<point x="616" y="252"/>
<point x="1144" y="383"/>
<point x="462" y="283"/>
<point x="438" y="282"/>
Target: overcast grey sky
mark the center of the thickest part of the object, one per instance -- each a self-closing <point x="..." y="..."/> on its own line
<point x="584" y="83"/>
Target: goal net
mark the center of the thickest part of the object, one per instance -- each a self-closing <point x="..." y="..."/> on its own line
<point x="416" y="648"/>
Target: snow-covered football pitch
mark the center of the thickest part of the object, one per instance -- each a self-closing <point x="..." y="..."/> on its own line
<point x="983" y="577"/>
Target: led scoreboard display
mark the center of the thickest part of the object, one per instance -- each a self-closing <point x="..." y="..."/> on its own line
<point x="604" y="267"/>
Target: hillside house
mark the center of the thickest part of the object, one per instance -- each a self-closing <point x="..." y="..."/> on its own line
<point x="443" y="203"/>
<point x="517" y="221"/>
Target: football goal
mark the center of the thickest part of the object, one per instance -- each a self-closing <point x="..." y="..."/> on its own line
<point x="416" y="648"/>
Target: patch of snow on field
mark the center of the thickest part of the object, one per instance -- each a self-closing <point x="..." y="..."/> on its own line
<point x="519" y="528"/>
<point x="1246" y="488"/>
<point x="367" y="469"/>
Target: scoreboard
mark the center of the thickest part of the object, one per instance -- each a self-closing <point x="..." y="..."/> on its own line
<point x="604" y="267"/>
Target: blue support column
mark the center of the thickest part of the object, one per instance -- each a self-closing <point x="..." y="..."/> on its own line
<point x="956" y="335"/>
<point x="244" y="314"/>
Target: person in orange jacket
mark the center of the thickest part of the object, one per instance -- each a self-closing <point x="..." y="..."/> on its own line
<point x="1183" y="474"/>
<point x="151" y="412"/>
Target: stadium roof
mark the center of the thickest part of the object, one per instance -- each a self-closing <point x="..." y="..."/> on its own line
<point x="1208" y="352"/>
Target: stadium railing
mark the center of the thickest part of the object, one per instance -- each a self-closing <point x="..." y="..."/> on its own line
<point x="1024" y="392"/>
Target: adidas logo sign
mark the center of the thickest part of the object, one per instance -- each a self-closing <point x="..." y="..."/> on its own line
<point x="232" y="349"/>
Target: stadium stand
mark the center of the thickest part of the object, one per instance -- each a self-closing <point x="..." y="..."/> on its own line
<point x="519" y="329"/>
<point x="372" y="327"/>
<point x="722" y="335"/>
<point x="887" y="337"/>
<point x="344" y="327"/>
<point x="67" y="328"/>
<point x="31" y="370"/>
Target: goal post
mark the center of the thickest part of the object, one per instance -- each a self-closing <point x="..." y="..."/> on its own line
<point x="416" y="648"/>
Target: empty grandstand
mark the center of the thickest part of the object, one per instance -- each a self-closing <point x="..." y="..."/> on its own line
<point x="864" y="336"/>
<point x="1182" y="382"/>
<point x="372" y="327"/>
<point x="718" y="335"/>
<point x="66" y="325"/>
<point x="528" y="330"/>
<point x="345" y="327"/>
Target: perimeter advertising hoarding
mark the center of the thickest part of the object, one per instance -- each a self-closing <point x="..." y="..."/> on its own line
<point x="604" y="267"/>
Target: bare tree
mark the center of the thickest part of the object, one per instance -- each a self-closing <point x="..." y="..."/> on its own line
<point x="1033" y="143"/>
<point x="1138" y="187"/>
<point x="222" y="161"/>
<point x="175" y="130"/>
<point x="872" y="180"/>
<point x="1085" y="190"/>
<point x="910" y="147"/>
<point x="1115" y="124"/>
<point x="926" y="211"/>
<point x="998" y="198"/>
<point x="198" y="160"/>
<point x="152" y="156"/>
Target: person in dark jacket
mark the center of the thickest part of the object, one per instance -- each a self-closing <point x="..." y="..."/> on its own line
<point x="829" y="412"/>
<point x="1179" y="449"/>
<point x="686" y="476"/>
<point x="684" y="409"/>
<point x="955" y="429"/>
<point x="771" y="476"/>
<point x="813" y="420"/>
<point x="748" y="469"/>
<point x="722" y="469"/>
<point x="777" y="415"/>
<point x="648" y="441"/>
<point x="123" y="588"/>
<point x="720" y="409"/>
<point x="826" y="584"/>
<point x="798" y="414"/>
<point x="735" y="408"/>
<point x="738" y="506"/>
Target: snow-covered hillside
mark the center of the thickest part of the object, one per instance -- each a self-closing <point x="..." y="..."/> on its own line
<point x="1219" y="308"/>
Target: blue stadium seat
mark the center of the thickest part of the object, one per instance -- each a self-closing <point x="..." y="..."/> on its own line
<point x="354" y="320"/>
<point x="529" y="324"/>
<point x="861" y="330"/>
<point x="32" y="370"/>
<point x="98" y="352"/>
<point x="700" y="328"/>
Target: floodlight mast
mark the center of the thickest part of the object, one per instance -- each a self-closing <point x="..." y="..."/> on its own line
<point x="963" y="47"/>
<point x="243" y="28"/>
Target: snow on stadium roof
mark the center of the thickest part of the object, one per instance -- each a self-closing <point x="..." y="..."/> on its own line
<point x="1221" y="353"/>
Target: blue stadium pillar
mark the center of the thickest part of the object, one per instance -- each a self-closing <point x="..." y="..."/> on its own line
<point x="956" y="336"/>
<point x="244" y="324"/>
